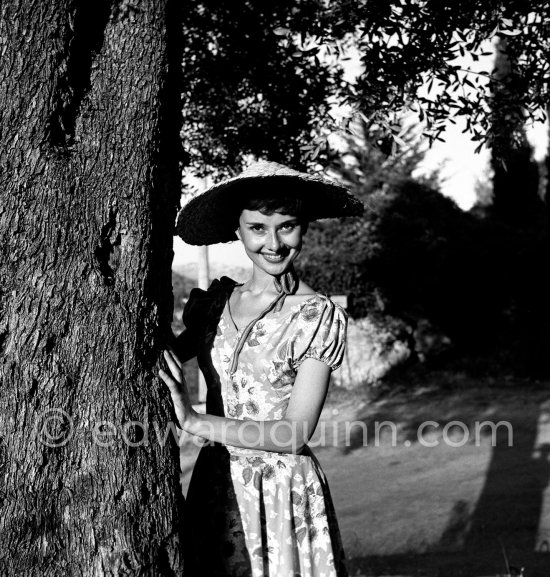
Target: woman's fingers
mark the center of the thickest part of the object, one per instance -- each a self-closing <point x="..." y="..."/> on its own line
<point x="175" y="369"/>
<point x="175" y="381"/>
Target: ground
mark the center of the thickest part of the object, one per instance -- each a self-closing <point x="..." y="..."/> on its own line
<point x="461" y="507"/>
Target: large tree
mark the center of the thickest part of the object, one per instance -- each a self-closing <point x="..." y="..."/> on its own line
<point x="89" y="185"/>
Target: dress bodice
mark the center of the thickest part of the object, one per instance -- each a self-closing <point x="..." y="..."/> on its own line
<point x="260" y="384"/>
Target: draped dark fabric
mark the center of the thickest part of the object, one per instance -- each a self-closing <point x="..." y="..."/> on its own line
<point x="201" y="316"/>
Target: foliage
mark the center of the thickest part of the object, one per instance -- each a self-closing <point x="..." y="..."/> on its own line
<point x="405" y="45"/>
<point x="370" y="160"/>
<point x="248" y="88"/>
<point x="259" y="77"/>
<point x="336" y="259"/>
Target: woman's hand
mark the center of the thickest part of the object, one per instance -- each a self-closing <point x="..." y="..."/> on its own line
<point x="178" y="390"/>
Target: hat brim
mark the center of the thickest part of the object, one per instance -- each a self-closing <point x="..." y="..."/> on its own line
<point x="212" y="217"/>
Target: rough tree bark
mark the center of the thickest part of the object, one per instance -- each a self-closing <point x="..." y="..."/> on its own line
<point x="89" y="186"/>
<point x="547" y="176"/>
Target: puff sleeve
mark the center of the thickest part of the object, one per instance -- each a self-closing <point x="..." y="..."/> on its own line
<point x="321" y="333"/>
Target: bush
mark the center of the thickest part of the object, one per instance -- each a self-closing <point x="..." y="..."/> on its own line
<point x="415" y="255"/>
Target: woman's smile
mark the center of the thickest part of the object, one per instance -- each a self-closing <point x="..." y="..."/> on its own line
<point x="275" y="258"/>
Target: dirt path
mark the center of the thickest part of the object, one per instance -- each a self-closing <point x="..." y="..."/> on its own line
<point x="460" y="507"/>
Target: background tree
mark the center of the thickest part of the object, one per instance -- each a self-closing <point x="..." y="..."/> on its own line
<point x="516" y="199"/>
<point x="89" y="184"/>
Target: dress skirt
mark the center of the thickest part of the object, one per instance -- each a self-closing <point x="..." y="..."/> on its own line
<point x="253" y="513"/>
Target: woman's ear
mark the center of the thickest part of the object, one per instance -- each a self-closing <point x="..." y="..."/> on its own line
<point x="238" y="233"/>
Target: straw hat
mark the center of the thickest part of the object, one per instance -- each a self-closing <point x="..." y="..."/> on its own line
<point x="211" y="217"/>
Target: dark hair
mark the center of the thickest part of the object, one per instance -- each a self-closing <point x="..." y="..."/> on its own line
<point x="270" y="204"/>
<point x="269" y="197"/>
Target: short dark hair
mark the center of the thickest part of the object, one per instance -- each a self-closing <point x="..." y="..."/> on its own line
<point x="269" y="197"/>
<point x="270" y="204"/>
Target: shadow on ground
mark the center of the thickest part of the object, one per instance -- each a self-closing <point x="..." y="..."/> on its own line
<point x="472" y="509"/>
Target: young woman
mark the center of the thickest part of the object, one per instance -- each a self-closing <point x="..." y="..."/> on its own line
<point x="258" y="502"/>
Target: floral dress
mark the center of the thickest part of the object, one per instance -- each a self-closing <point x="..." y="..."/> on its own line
<point x="249" y="512"/>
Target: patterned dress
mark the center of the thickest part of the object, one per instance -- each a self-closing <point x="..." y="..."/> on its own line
<point x="249" y="512"/>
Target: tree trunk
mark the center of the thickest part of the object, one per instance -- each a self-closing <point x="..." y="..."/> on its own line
<point x="547" y="176"/>
<point x="89" y="185"/>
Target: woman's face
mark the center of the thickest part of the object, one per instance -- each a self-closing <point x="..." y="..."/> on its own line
<point x="272" y="242"/>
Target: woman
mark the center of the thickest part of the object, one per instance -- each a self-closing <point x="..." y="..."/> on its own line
<point x="258" y="503"/>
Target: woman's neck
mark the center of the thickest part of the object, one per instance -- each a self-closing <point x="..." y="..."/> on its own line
<point x="260" y="282"/>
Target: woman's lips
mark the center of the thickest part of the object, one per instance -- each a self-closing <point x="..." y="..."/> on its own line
<point x="273" y="257"/>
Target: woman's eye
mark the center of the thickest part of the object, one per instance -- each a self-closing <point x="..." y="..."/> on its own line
<point x="256" y="228"/>
<point x="288" y="226"/>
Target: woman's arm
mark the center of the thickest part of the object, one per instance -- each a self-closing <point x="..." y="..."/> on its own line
<point x="288" y="435"/>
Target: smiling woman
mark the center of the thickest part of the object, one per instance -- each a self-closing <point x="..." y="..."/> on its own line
<point x="258" y="501"/>
<point x="273" y="240"/>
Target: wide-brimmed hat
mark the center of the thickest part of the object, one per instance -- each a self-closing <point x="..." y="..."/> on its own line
<point x="210" y="217"/>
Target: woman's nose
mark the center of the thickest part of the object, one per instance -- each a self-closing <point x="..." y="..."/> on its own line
<point x="274" y="243"/>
